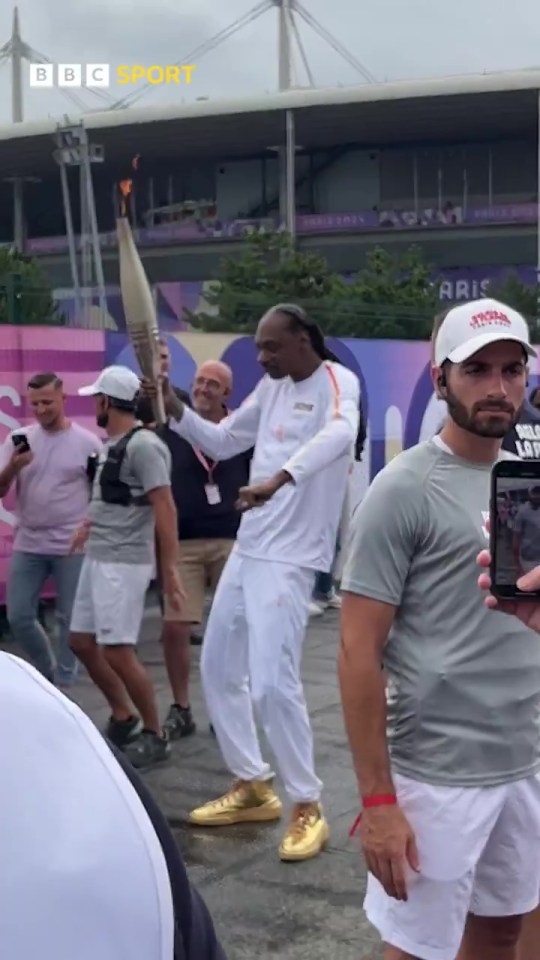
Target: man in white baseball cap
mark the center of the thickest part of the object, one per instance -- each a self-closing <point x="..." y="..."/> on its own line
<point x="468" y="327"/>
<point x="118" y="383"/>
<point x="131" y="503"/>
<point x="450" y="796"/>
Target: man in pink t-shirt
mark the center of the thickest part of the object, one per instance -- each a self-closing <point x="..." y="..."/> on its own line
<point x="53" y="492"/>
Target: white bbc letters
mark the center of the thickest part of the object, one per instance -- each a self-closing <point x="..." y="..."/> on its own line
<point x="41" y="74"/>
<point x="69" y="75"/>
<point x="97" y="75"/>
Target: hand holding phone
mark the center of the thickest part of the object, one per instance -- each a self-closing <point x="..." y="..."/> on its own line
<point x="22" y="453"/>
<point x="20" y="442"/>
<point x="514" y="527"/>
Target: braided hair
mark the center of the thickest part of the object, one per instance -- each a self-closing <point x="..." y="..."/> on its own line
<point x="301" y="321"/>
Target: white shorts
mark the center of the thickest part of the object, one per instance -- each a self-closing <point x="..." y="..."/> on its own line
<point x="109" y="602"/>
<point x="479" y="852"/>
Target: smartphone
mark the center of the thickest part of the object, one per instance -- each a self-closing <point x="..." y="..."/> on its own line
<point x="20" y="440"/>
<point x="514" y="526"/>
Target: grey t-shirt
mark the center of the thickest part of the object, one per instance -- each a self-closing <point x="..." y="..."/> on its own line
<point x="464" y="681"/>
<point x="127" y="534"/>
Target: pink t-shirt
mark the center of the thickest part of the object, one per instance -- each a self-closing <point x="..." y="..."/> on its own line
<point x="53" y="491"/>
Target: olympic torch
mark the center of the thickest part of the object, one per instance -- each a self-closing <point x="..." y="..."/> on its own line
<point x="139" y="309"/>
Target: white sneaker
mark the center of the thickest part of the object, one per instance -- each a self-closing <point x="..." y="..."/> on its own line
<point x="316" y="609"/>
<point x="334" y="603"/>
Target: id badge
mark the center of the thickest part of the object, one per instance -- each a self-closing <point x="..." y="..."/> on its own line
<point x="212" y="494"/>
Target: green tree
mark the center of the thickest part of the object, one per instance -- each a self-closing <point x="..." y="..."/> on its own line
<point x="522" y="297"/>
<point x="390" y="297"/>
<point x="25" y="293"/>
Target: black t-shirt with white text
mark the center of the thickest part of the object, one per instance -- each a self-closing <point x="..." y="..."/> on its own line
<point x="198" y="518"/>
<point x="524" y="440"/>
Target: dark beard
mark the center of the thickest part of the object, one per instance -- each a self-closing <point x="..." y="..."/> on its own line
<point x="496" y="427"/>
<point x="102" y="419"/>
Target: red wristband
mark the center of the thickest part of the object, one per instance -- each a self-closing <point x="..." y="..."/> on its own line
<point x="383" y="800"/>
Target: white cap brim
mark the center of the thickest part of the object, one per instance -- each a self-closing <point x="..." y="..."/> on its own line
<point x="468" y="349"/>
<point x="90" y="391"/>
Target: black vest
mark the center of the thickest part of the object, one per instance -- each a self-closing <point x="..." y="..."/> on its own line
<point x="114" y="490"/>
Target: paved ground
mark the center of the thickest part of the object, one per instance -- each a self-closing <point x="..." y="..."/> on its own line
<point x="263" y="908"/>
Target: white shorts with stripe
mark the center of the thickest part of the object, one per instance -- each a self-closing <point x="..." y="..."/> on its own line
<point x="479" y="852"/>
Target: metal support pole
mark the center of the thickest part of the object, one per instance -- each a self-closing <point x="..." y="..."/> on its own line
<point x="18" y="214"/>
<point x="85" y="252"/>
<point x="284" y="45"/>
<point x="96" y="249"/>
<point x="282" y="164"/>
<point x="16" y="71"/>
<point x="290" y="175"/>
<point x="490" y="177"/>
<point x="71" y="240"/>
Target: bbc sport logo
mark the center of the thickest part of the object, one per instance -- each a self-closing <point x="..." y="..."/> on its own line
<point x="49" y="75"/>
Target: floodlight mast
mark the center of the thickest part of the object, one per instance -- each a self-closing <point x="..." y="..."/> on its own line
<point x="16" y="52"/>
<point x="290" y="11"/>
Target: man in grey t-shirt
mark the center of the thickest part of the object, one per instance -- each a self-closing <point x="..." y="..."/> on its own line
<point x="451" y="790"/>
<point x="131" y="503"/>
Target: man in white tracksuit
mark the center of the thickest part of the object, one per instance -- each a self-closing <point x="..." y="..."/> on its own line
<point x="302" y="419"/>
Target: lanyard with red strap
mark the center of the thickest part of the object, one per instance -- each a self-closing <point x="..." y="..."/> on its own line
<point x="204" y="462"/>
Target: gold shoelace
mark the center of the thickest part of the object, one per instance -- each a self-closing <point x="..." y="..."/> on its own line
<point x="301" y="820"/>
<point x="236" y="787"/>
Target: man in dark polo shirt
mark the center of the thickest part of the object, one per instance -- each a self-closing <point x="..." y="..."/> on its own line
<point x="205" y="494"/>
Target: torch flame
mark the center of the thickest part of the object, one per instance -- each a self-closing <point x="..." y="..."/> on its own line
<point x="126" y="186"/>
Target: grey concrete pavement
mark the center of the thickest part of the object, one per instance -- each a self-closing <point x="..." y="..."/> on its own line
<point x="262" y="908"/>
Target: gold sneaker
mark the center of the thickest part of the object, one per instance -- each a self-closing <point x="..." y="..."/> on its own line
<point x="251" y="801"/>
<point x="307" y="835"/>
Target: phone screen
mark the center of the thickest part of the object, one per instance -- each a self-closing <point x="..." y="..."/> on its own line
<point x="514" y="525"/>
<point x="21" y="441"/>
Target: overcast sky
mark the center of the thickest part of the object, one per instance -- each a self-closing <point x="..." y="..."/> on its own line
<point x="394" y="39"/>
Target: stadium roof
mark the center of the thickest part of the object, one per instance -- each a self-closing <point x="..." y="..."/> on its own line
<point x="458" y="109"/>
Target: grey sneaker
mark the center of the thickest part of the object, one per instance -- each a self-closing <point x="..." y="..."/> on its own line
<point x="179" y="722"/>
<point x="148" y="749"/>
<point x="122" y="732"/>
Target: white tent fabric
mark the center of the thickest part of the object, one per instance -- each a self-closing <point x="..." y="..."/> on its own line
<point x="82" y="873"/>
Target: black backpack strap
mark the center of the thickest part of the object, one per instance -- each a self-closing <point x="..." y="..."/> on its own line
<point x="120" y="447"/>
<point x="110" y="474"/>
<point x="195" y="937"/>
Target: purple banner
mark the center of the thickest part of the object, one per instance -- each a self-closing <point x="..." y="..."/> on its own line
<point x="204" y="231"/>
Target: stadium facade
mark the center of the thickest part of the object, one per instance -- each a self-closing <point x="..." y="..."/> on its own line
<point x="450" y="164"/>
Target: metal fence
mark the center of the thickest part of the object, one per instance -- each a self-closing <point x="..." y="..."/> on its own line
<point x="337" y="316"/>
<point x="25" y="304"/>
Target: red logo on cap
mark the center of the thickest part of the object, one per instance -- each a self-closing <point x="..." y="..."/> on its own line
<point x="488" y="318"/>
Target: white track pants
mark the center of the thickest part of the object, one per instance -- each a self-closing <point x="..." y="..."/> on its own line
<point x="252" y="656"/>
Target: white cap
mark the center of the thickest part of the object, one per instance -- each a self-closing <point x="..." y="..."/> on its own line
<point x="120" y="383"/>
<point x="469" y="327"/>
